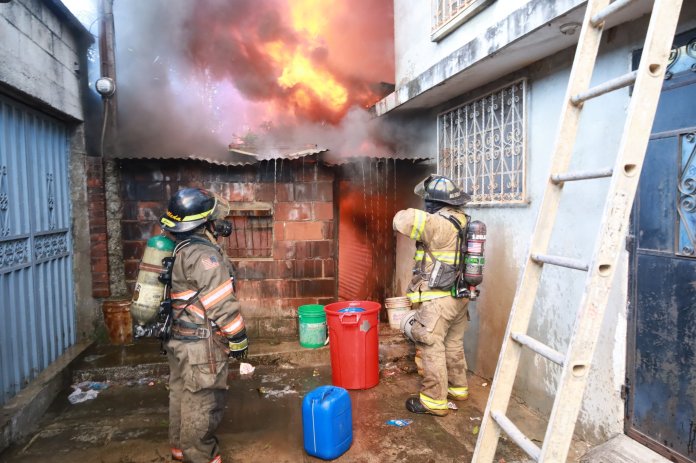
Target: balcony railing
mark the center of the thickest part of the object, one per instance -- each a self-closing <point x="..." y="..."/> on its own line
<point x="450" y="14"/>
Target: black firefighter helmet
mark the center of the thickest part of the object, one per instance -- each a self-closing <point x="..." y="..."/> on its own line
<point x="192" y="207"/>
<point x="441" y="189"/>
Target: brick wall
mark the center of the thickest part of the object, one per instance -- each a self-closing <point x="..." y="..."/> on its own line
<point x="302" y="267"/>
<point x="96" y="206"/>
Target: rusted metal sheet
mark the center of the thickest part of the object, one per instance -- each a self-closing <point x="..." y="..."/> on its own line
<point x="367" y="196"/>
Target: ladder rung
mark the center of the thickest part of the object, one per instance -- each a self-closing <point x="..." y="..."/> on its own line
<point x="516" y="435"/>
<point x="608" y="86"/>
<point x="612" y="8"/>
<point x="539" y="347"/>
<point x="560" y="261"/>
<point x="584" y="175"/>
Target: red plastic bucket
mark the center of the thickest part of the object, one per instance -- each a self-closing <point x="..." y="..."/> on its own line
<point x="354" y="341"/>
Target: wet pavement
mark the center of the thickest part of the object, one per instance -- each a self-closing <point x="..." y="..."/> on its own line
<point x="127" y="422"/>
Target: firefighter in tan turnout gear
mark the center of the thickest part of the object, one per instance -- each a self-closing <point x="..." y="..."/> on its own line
<point x="440" y="318"/>
<point x="207" y="326"/>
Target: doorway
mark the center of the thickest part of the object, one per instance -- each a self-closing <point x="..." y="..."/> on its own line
<point x="661" y="347"/>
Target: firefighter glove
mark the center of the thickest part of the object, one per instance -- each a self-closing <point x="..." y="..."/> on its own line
<point x="239" y="345"/>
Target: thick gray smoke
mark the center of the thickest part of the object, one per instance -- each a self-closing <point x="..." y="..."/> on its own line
<point x="195" y="76"/>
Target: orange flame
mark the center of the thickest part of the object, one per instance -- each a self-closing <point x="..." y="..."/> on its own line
<point x="308" y="82"/>
<point x="301" y="59"/>
<point x="305" y="81"/>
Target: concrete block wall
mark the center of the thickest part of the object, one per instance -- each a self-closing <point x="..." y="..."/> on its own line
<point x="40" y="55"/>
<point x="301" y="269"/>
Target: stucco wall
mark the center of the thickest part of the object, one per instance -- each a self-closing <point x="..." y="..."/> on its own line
<point x="415" y="52"/>
<point x="510" y="228"/>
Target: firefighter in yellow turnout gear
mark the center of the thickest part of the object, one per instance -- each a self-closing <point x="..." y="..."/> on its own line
<point x="440" y="319"/>
<point x="207" y="327"/>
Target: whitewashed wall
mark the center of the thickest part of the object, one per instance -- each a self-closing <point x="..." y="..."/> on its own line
<point x="510" y="228"/>
<point x="414" y="50"/>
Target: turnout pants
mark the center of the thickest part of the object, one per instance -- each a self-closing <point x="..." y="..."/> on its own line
<point x="197" y="393"/>
<point x="439" y="334"/>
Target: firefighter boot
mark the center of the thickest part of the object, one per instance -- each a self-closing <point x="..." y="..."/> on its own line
<point x="414" y="405"/>
<point x="458" y="393"/>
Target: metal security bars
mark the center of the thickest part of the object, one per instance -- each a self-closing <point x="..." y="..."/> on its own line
<point x="482" y="146"/>
<point x="447" y="15"/>
<point x="444" y="10"/>
<point x="686" y="207"/>
<point x="252" y="234"/>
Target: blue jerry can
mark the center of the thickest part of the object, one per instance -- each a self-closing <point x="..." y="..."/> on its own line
<point x="327" y="422"/>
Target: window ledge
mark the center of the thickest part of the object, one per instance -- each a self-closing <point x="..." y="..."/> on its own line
<point x="458" y="19"/>
<point x="255" y="208"/>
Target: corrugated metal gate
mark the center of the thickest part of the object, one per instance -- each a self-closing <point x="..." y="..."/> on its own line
<point x="365" y="236"/>
<point x="37" y="309"/>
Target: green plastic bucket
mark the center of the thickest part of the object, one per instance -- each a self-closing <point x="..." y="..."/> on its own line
<point x="312" y="325"/>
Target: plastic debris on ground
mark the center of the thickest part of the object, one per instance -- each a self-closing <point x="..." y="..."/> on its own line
<point x="92" y="385"/>
<point x="78" y="395"/>
<point x="474" y="418"/>
<point x="484" y="385"/>
<point x="86" y="390"/>
<point x="315" y="372"/>
<point x="246" y="369"/>
<point x="390" y="369"/>
<point x="475" y="430"/>
<point x="399" y="423"/>
<point x="452" y="406"/>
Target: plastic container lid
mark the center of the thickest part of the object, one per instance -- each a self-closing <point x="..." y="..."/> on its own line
<point x="311" y="308"/>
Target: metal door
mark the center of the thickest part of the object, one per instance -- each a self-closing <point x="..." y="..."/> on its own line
<point x="661" y="367"/>
<point x="37" y="310"/>
<point x="365" y="236"/>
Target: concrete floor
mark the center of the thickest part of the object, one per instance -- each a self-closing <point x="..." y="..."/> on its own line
<point x="127" y="423"/>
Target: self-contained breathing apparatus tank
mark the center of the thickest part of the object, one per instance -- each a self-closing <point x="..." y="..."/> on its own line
<point x="474" y="260"/>
<point x="149" y="290"/>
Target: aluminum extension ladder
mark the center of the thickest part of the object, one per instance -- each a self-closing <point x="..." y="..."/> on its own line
<point x="647" y="81"/>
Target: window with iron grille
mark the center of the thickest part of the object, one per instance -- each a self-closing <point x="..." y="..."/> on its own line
<point x="450" y="14"/>
<point x="252" y="232"/>
<point x="481" y="146"/>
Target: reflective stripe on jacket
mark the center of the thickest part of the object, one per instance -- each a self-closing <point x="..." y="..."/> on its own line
<point x="438" y="235"/>
<point x="201" y="287"/>
<point x="422" y="296"/>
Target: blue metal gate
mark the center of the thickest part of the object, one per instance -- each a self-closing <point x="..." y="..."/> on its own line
<point x="37" y="308"/>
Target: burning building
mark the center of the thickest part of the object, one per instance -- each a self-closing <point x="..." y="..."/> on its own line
<point x="207" y="95"/>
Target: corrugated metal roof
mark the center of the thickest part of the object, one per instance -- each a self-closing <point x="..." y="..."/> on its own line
<point x="270" y="154"/>
<point x="243" y="157"/>
<point x="233" y="159"/>
<point x="333" y="160"/>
